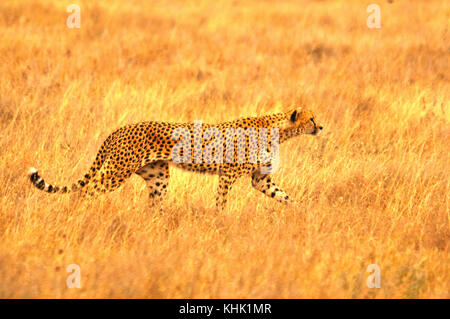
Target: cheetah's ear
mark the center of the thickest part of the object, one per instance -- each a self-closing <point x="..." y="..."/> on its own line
<point x="294" y="116"/>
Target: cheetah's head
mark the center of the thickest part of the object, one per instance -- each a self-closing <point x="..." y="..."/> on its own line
<point x="304" y="121"/>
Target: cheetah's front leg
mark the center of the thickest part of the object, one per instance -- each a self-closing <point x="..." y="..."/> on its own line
<point x="263" y="183"/>
<point x="226" y="180"/>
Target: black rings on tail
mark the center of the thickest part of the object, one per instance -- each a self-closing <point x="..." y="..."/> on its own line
<point x="39" y="183"/>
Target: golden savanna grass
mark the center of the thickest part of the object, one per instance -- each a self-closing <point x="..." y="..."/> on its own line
<point x="373" y="189"/>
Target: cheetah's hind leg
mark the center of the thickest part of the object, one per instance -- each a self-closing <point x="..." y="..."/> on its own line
<point x="108" y="178"/>
<point x="156" y="176"/>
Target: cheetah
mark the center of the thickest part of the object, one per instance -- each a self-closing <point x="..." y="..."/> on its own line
<point x="147" y="149"/>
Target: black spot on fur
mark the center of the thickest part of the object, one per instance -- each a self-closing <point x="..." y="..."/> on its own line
<point x="294" y="116"/>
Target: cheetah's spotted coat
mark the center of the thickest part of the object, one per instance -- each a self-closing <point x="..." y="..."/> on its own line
<point x="146" y="149"/>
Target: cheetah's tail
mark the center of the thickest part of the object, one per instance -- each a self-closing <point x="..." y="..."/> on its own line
<point x="39" y="183"/>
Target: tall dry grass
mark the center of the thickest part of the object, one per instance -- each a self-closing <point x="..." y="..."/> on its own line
<point x="374" y="188"/>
